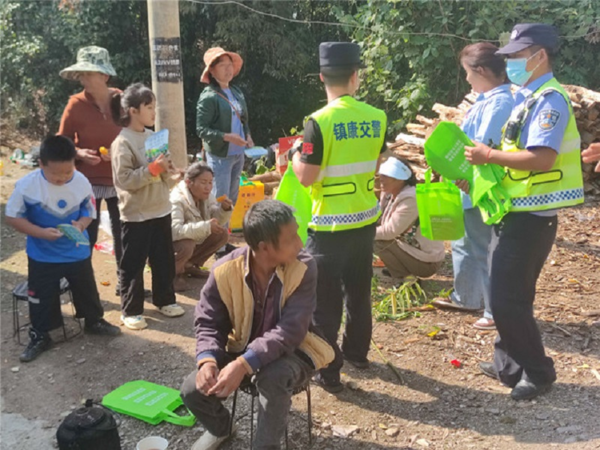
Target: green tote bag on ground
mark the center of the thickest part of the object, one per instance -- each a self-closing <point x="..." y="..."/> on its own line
<point x="440" y="208"/>
<point x="292" y="193"/>
<point x="149" y="402"/>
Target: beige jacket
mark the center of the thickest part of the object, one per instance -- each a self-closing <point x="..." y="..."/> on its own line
<point x="397" y="226"/>
<point x="141" y="196"/>
<point x="229" y="277"/>
<point x="191" y="220"/>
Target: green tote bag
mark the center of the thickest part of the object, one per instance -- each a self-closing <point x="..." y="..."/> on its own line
<point x="149" y="402"/>
<point x="440" y="208"/>
<point x="293" y="193"/>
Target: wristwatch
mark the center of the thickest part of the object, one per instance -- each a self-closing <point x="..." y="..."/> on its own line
<point x="297" y="147"/>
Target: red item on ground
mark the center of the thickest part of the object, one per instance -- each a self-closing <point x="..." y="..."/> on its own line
<point x="456" y="363"/>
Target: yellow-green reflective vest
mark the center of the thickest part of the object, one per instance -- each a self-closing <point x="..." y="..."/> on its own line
<point x="353" y="136"/>
<point x="559" y="187"/>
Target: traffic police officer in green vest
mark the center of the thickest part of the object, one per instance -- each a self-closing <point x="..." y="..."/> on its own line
<point x="338" y="160"/>
<point x="541" y="153"/>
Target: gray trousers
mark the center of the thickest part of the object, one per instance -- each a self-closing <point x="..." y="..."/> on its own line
<point x="275" y="383"/>
<point x="401" y="264"/>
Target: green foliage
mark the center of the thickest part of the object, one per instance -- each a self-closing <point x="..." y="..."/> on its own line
<point x="279" y="77"/>
<point x="397" y="303"/>
<point x="411" y="47"/>
<point x="41" y="37"/>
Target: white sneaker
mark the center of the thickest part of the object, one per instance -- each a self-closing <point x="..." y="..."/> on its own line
<point x="134" y="322"/>
<point x="209" y="441"/>
<point x="173" y="310"/>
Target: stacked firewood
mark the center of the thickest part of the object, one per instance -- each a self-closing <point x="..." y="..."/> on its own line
<point x="586" y="106"/>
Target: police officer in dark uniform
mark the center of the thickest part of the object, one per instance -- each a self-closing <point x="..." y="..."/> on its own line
<point x="540" y="151"/>
<point x="338" y="160"/>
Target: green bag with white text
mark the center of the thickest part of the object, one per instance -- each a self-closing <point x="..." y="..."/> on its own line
<point x="441" y="215"/>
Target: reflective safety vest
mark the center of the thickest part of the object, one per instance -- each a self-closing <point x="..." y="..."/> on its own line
<point x="353" y="136"/>
<point x="559" y="187"/>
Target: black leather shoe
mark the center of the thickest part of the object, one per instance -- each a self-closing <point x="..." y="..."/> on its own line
<point x="225" y="251"/>
<point x="488" y="369"/>
<point x="526" y="390"/>
<point x="359" y="364"/>
<point x="147" y="292"/>
<point x="331" y="386"/>
<point x="101" y="328"/>
<point x="38" y="344"/>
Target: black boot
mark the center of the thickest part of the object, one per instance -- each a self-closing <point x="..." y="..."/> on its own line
<point x="101" y="327"/>
<point x="38" y="344"/>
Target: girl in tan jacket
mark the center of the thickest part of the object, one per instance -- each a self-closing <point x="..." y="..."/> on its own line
<point x="143" y="191"/>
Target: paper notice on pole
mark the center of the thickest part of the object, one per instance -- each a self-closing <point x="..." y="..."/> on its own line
<point x="167" y="59"/>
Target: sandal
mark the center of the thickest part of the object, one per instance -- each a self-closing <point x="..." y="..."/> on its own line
<point x="447" y="303"/>
<point x="485" y="324"/>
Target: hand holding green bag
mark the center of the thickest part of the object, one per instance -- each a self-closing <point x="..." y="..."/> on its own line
<point x="441" y="215"/>
<point x="293" y="193"/>
<point x="488" y="194"/>
<point x="445" y="153"/>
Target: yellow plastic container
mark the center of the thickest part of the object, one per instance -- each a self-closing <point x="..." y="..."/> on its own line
<point x="251" y="192"/>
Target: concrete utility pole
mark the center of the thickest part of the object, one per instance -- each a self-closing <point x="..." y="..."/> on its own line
<point x="167" y="75"/>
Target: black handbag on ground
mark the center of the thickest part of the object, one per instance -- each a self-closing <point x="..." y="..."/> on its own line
<point x="91" y="427"/>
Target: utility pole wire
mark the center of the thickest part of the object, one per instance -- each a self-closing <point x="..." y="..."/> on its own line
<point x="360" y="27"/>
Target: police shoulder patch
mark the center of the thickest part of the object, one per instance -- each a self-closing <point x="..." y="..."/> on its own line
<point x="548" y="118"/>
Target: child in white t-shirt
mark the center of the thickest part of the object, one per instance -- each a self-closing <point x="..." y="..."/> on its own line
<point x="53" y="195"/>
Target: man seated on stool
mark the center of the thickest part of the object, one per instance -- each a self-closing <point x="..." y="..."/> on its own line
<point x="253" y="320"/>
<point x="198" y="223"/>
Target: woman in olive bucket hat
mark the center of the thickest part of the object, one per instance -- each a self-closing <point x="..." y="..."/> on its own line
<point x="88" y="122"/>
<point x="222" y="121"/>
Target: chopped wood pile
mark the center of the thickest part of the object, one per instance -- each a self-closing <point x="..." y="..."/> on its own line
<point x="586" y="105"/>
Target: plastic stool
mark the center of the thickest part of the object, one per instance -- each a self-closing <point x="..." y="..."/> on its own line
<point x="20" y="293"/>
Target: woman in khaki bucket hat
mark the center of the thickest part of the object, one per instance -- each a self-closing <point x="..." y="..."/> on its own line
<point x="88" y="122"/>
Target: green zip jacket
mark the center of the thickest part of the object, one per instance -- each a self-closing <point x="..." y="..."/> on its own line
<point x="213" y="118"/>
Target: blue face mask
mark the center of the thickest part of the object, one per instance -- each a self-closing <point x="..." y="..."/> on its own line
<point x="516" y="70"/>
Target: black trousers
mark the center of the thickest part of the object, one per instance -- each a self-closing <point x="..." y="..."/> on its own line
<point x="44" y="292"/>
<point x="112" y="204"/>
<point x="520" y="245"/>
<point x="152" y="240"/>
<point x="345" y="263"/>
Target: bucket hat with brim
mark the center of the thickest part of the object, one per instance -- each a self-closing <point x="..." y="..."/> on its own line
<point x="212" y="54"/>
<point x="89" y="59"/>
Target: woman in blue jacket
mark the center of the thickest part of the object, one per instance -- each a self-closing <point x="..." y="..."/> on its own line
<point x="486" y="73"/>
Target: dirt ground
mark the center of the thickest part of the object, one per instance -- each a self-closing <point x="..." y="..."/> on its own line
<point x="434" y="405"/>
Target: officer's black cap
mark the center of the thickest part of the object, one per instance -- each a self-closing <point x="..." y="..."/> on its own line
<point x="524" y="35"/>
<point x="339" y="55"/>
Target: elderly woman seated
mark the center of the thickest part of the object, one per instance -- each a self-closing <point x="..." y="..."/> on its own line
<point x="198" y="223"/>
<point x="398" y="239"/>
